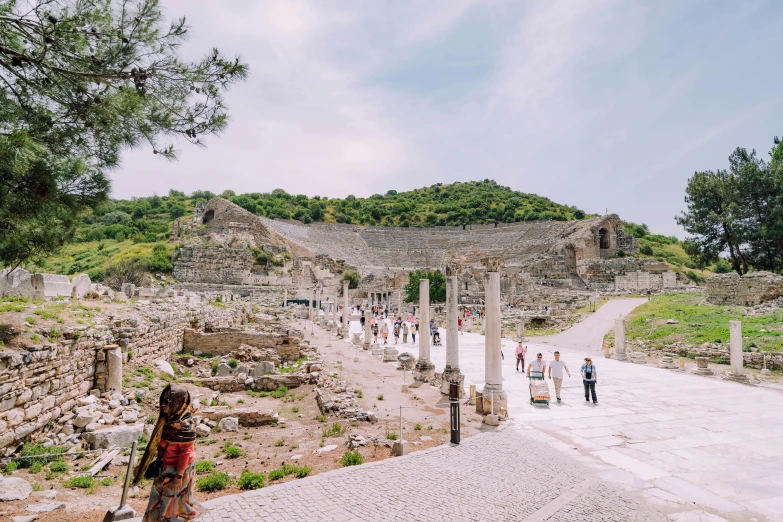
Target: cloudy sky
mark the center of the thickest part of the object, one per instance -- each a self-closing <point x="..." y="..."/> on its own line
<point x="599" y="104"/>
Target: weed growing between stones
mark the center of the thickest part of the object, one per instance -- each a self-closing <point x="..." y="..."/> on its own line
<point x="391" y="435"/>
<point x="335" y="430"/>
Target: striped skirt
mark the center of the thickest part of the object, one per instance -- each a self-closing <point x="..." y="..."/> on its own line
<point x="167" y="505"/>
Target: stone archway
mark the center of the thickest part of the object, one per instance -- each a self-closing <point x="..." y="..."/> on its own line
<point x="209" y="215"/>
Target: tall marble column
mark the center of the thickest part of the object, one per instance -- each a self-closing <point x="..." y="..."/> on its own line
<point x="312" y="304"/>
<point x="735" y="352"/>
<point x="346" y="310"/>
<point x="399" y="303"/>
<point x="451" y="373"/>
<point x="493" y="396"/>
<point x="318" y="305"/>
<point x="285" y="297"/>
<point x="619" y="339"/>
<point x="425" y="370"/>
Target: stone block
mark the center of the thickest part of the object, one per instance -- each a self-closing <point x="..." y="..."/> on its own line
<point x="116" y="436"/>
<point x="80" y="286"/>
<point x="14" y="488"/>
<point x="50" y="286"/>
<point x="129" y="289"/>
<point x="16" y="283"/>
<point x="263" y="368"/>
<point x="229" y="424"/>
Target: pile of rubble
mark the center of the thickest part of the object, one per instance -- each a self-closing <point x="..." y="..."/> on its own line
<point x="334" y="397"/>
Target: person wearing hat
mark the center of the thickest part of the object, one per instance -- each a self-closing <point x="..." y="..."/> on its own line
<point x="589" y="378"/>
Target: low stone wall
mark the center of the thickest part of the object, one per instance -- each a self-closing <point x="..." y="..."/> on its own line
<point x="264" y="295"/>
<point x="40" y="383"/>
<point x="224" y="343"/>
<point x="749" y="290"/>
<point x="750" y="359"/>
<point x="208" y="264"/>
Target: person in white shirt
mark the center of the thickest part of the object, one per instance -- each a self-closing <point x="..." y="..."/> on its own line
<point x="537" y="367"/>
<point x="556" y="368"/>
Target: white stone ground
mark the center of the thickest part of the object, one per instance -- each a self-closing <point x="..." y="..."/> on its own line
<point x="678" y="439"/>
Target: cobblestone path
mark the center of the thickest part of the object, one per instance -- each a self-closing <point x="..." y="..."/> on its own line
<point x="497" y="476"/>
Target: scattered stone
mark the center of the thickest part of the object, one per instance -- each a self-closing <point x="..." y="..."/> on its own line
<point x="45" y="507"/>
<point x="326" y="449"/>
<point x="24" y="518"/>
<point x="163" y="366"/>
<point x="229" y="424"/>
<point x="116" y="436"/>
<point x="14" y="488"/>
<point x="296" y="457"/>
<point x="202" y="430"/>
<point x="672" y="321"/>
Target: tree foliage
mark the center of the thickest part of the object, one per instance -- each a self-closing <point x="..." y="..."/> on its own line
<point x="82" y="81"/>
<point x="737" y="212"/>
<point x="437" y="286"/>
<point x="353" y="277"/>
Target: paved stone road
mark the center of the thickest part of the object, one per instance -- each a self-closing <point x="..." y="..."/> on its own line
<point x="503" y="475"/>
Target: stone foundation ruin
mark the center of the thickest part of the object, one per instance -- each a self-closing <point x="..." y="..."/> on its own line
<point x="749" y="290"/>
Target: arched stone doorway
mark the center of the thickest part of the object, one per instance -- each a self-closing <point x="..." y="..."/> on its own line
<point x="603" y="239"/>
<point x="209" y="215"/>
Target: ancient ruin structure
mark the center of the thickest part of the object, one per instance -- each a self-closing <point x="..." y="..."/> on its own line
<point x="748" y="290"/>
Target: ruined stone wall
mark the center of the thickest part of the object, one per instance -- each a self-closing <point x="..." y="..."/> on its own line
<point x="605" y="271"/>
<point x="40" y="383"/>
<point x="207" y="264"/>
<point x="224" y="343"/>
<point x="749" y="290"/>
<point x="263" y="295"/>
<point x="641" y="280"/>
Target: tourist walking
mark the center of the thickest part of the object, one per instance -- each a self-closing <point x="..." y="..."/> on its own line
<point x="396" y="331"/>
<point x="556" y="368"/>
<point x="375" y="332"/>
<point x="521" y="351"/>
<point x="385" y="331"/>
<point x="537" y="367"/>
<point x="414" y="329"/>
<point x="405" y="333"/>
<point x="589" y="378"/>
<point x="459" y="328"/>
<point x="170" y="460"/>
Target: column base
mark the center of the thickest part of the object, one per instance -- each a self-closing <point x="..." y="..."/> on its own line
<point x="491" y="420"/>
<point x="620" y="357"/>
<point x="400" y="448"/>
<point x="703" y="371"/>
<point x="766" y="371"/>
<point x="737" y="377"/>
<point x="452" y="375"/>
<point x="424" y="371"/>
<point x="390" y="354"/>
<point x="494" y="400"/>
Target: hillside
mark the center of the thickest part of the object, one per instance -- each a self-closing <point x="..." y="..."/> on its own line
<point x="137" y="230"/>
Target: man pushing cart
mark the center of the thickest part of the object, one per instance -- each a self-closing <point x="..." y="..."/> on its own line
<point x="539" y="390"/>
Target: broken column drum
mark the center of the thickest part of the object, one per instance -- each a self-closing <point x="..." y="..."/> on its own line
<point x="619" y="339"/>
<point x="425" y="370"/>
<point x="735" y="352"/>
<point x="113" y="368"/>
<point x="493" y="396"/>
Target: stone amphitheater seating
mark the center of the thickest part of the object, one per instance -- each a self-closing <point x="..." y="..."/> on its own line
<point x="410" y="248"/>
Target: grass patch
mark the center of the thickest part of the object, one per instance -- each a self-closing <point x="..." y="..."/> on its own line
<point x="352" y="458"/>
<point x="10" y="467"/>
<point x="205" y="466"/>
<point x="30" y="452"/>
<point x="335" y="430"/>
<point x="391" y="435"/>
<point x="417" y="427"/>
<point x="699" y="322"/>
<point x="231" y="451"/>
<point x="320" y="418"/>
<point x="250" y="480"/>
<point x="213" y="482"/>
<point x="81" y="482"/>
<point x="380" y="397"/>
<point x="287" y="469"/>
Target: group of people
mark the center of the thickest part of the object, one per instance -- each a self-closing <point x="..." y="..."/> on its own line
<point x="556" y="367"/>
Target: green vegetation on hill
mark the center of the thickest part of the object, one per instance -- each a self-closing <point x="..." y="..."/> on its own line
<point x="453" y="204"/>
<point x="669" y="249"/>
<point x="699" y="322"/>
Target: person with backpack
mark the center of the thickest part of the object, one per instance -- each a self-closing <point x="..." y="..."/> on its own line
<point x="589" y="378"/>
<point x="396" y="331"/>
<point x="375" y="332"/>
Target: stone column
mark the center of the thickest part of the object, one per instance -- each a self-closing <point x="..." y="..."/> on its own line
<point x="735" y="347"/>
<point x="399" y="303"/>
<point x="312" y="304"/>
<point x="346" y="310"/>
<point x="493" y="396"/>
<point x="113" y="368"/>
<point x="285" y="297"/>
<point x="619" y="339"/>
<point x="521" y="330"/>
<point x="318" y="305"/>
<point x="425" y="370"/>
<point x="451" y="373"/>
<point x="367" y="329"/>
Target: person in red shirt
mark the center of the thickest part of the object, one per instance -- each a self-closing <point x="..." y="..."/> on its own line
<point x="172" y="444"/>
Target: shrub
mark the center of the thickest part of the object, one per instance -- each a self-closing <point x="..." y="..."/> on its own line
<point x="125" y="271"/>
<point x="380" y="397"/>
<point x="287" y="469"/>
<point x="358" y="394"/>
<point x="417" y="427"/>
<point x="320" y="418"/>
<point x="10" y="467"/>
<point x="215" y="365"/>
<point x="81" y="482"/>
<point x="107" y="481"/>
<point x="232" y="452"/>
<point x="250" y="480"/>
<point x="391" y="435"/>
<point x="280" y="442"/>
<point x="233" y="363"/>
<point x="205" y="466"/>
<point x="213" y="482"/>
<point x="36" y="467"/>
<point x="58" y="466"/>
<point x="352" y="458"/>
<point x="280" y="392"/>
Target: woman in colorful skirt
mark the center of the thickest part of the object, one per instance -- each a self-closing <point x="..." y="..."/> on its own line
<point x="173" y="443"/>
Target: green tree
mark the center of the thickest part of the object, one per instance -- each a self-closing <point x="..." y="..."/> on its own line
<point x="437" y="286"/>
<point x="81" y="82"/>
<point x="353" y="277"/>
